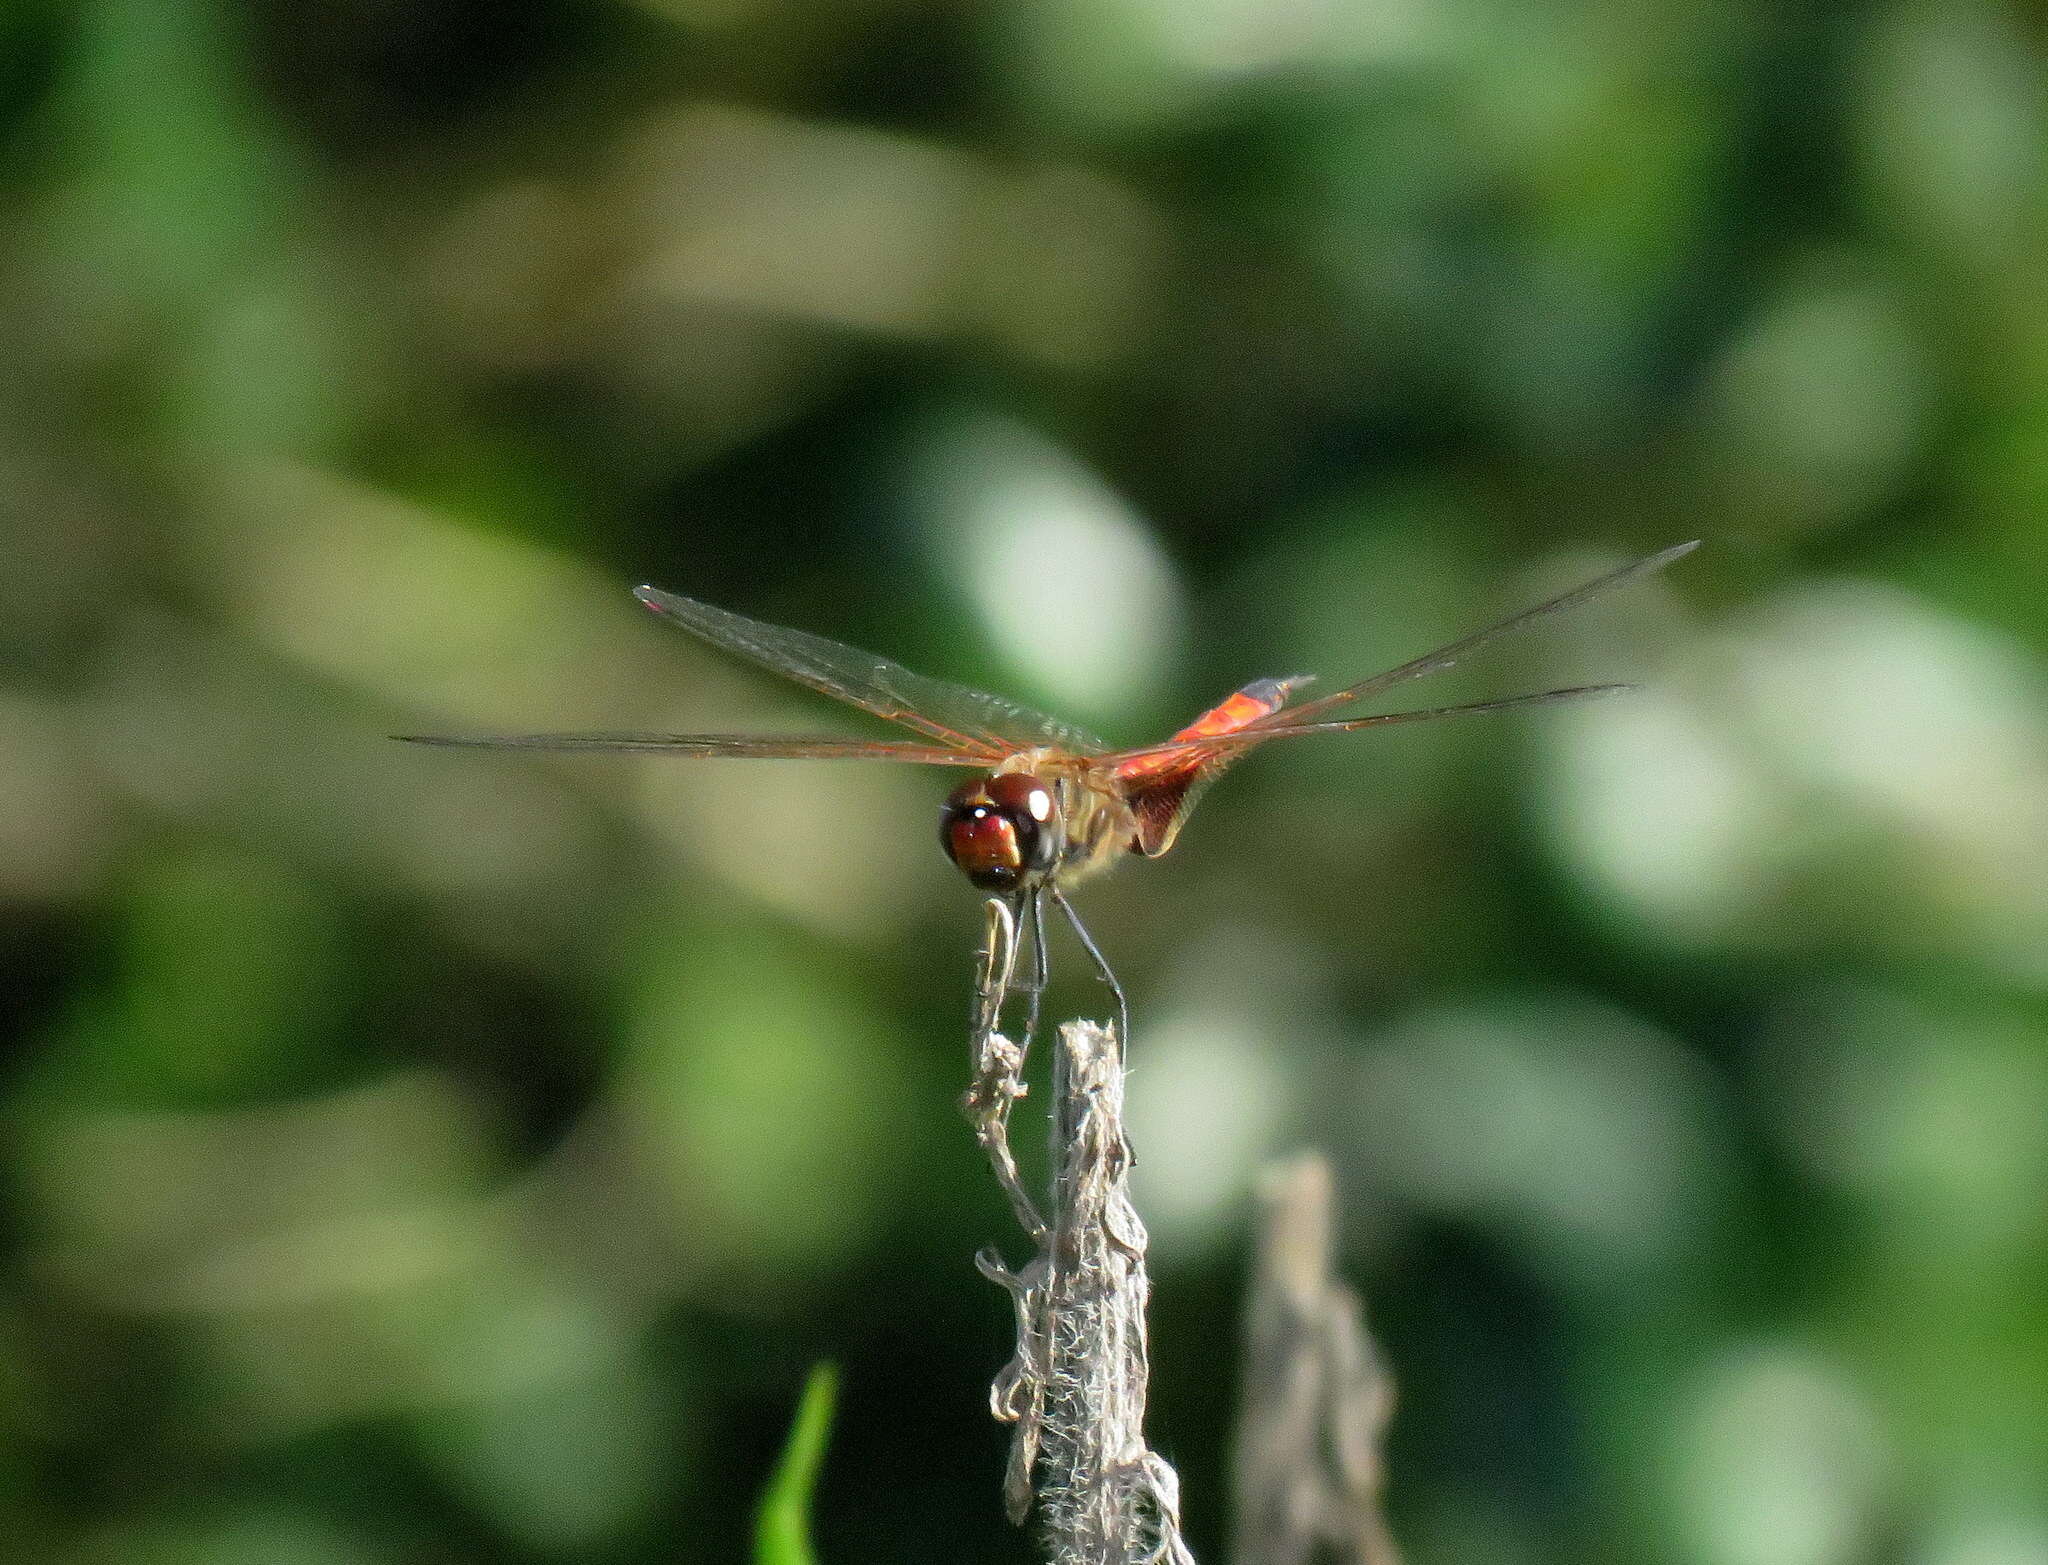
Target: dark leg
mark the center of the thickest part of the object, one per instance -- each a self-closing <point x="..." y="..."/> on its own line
<point x="1034" y="931"/>
<point x="1013" y="924"/>
<point x="1123" y="1009"/>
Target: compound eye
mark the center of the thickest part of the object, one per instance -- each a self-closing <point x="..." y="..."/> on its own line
<point x="1025" y="800"/>
<point x="1001" y="831"/>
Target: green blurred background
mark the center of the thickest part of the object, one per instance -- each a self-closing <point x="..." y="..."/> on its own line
<point x="424" y="1156"/>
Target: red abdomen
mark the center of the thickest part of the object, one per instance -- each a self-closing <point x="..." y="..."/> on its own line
<point x="1260" y="698"/>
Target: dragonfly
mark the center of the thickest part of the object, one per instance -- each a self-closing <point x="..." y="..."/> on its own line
<point x="1050" y="805"/>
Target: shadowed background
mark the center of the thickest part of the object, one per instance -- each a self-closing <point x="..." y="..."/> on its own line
<point x="420" y="1156"/>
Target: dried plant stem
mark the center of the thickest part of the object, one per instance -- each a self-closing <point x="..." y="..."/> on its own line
<point x="1075" y="1389"/>
<point x="1316" y="1397"/>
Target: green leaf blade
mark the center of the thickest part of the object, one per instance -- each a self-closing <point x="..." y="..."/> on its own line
<point x="782" y="1530"/>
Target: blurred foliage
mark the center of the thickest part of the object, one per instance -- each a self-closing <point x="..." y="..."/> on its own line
<point x="782" y="1534"/>
<point x="437" y="1156"/>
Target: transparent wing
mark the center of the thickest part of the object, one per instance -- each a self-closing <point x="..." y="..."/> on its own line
<point x="954" y="717"/>
<point x="746" y="747"/>
<point x="1290" y="718"/>
<point x="1158" y="758"/>
<point x="1161" y="782"/>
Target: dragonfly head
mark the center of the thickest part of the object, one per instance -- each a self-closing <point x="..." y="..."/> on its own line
<point x="1003" y="831"/>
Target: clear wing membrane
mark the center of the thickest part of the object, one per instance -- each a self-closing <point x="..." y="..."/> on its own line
<point x="1306" y="717"/>
<point x="1501" y="704"/>
<point x="966" y="727"/>
<point x="747" y="747"/>
<point x="1290" y="718"/>
<point x="1245" y="738"/>
<point x="954" y="717"/>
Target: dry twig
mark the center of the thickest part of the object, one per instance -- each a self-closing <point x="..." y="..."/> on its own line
<point x="1316" y="1397"/>
<point x="1075" y="1389"/>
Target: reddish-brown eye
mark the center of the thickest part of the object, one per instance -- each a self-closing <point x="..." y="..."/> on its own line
<point x="1003" y="832"/>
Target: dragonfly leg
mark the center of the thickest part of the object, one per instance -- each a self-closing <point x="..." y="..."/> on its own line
<point x="1123" y="1008"/>
<point x="1034" y="931"/>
